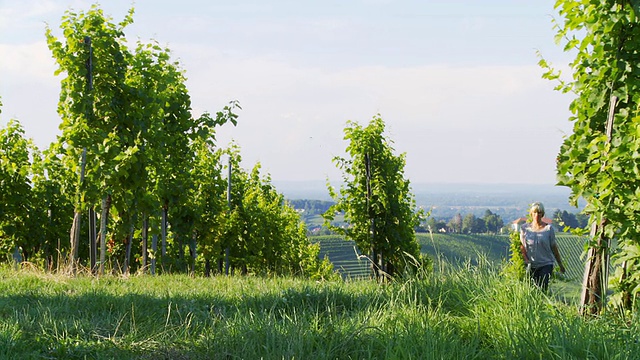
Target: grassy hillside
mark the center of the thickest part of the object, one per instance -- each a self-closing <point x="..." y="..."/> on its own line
<point x="459" y="250"/>
<point x="462" y="313"/>
<point x="572" y="250"/>
<point x="343" y="255"/>
<point x="455" y="249"/>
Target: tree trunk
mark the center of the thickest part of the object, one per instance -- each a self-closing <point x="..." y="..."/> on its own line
<point x="178" y="244"/>
<point x="594" y="282"/>
<point x="75" y="227"/>
<point x="154" y="250"/>
<point x="106" y="204"/>
<point x="127" y="259"/>
<point x="227" y="262"/>
<point x="194" y="255"/>
<point x="376" y="269"/>
<point x="145" y="238"/>
<point x="93" y="249"/>
<point x="75" y="240"/>
<point x="626" y="295"/>
<point x="163" y="228"/>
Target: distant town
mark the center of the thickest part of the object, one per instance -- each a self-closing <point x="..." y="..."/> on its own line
<point x="457" y="207"/>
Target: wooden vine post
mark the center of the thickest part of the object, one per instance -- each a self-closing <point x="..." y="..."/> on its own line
<point x="93" y="235"/>
<point x="75" y="227"/>
<point x="594" y="282"/>
<point x="106" y="203"/>
<point x="227" y="264"/>
<point x="376" y="258"/>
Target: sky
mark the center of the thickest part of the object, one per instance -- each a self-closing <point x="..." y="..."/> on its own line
<point x="456" y="81"/>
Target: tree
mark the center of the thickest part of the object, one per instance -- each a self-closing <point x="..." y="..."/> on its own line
<point x="472" y="224"/>
<point x="52" y="185"/>
<point x="209" y="202"/>
<point x="34" y="211"/>
<point x="493" y="222"/>
<point x="95" y="106"/>
<point x="130" y="113"/>
<point x="604" y="168"/>
<point x="574" y="221"/>
<point x="263" y="232"/>
<point x="565" y="219"/>
<point x="15" y="191"/>
<point x="376" y="199"/>
<point x="455" y="223"/>
<point x="435" y="225"/>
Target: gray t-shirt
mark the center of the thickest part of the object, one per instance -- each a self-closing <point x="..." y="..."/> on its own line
<point x="538" y="244"/>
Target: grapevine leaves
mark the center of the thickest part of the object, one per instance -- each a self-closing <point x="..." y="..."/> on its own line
<point x="604" y="38"/>
<point x="375" y="197"/>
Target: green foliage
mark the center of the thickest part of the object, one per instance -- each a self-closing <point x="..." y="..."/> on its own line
<point x="131" y="111"/>
<point x="16" y="199"/>
<point x="263" y="232"/>
<point x="208" y="198"/>
<point x="473" y="225"/>
<point x="493" y="222"/>
<point x="435" y="225"/>
<point x="629" y="279"/>
<point x="515" y="268"/>
<point x="375" y="198"/>
<point x="604" y="36"/>
<point x="53" y="207"/>
<point x="570" y="222"/>
<point x="35" y="211"/>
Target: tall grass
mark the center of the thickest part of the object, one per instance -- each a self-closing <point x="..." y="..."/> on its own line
<point x="459" y="313"/>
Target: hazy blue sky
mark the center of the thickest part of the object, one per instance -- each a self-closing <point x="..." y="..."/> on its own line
<point x="456" y="82"/>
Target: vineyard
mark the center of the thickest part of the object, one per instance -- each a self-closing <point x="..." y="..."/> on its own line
<point x="456" y="250"/>
<point x="573" y="255"/>
<point x="344" y="256"/>
<point x="461" y="248"/>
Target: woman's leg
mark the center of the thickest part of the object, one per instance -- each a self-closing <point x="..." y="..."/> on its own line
<point x="541" y="276"/>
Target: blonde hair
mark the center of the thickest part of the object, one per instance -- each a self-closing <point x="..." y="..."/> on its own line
<point x="537" y="207"/>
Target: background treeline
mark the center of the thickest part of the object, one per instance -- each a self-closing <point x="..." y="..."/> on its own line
<point x="460" y="223"/>
<point x="492" y="223"/>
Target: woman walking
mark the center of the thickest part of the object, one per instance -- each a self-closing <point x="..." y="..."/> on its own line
<point x="539" y="247"/>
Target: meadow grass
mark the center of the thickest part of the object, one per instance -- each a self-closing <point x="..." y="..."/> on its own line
<point x="457" y="313"/>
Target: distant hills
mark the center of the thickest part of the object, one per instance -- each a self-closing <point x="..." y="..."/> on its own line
<point x="445" y="200"/>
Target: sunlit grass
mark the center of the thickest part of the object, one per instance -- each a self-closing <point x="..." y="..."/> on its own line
<point x="458" y="313"/>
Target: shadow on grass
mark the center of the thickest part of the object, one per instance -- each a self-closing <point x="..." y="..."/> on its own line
<point x="292" y="321"/>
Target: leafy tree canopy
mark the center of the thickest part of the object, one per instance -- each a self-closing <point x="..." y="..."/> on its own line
<point x="375" y="198"/>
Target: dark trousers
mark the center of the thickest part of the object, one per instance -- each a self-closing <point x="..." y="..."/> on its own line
<point x="541" y="275"/>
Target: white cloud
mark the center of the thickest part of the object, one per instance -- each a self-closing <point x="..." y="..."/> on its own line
<point x="293" y="117"/>
<point x="467" y="123"/>
<point x="29" y="90"/>
<point x="16" y="13"/>
<point x="32" y="60"/>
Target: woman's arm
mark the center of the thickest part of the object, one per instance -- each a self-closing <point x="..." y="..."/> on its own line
<point x="556" y="253"/>
<point x="523" y="249"/>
